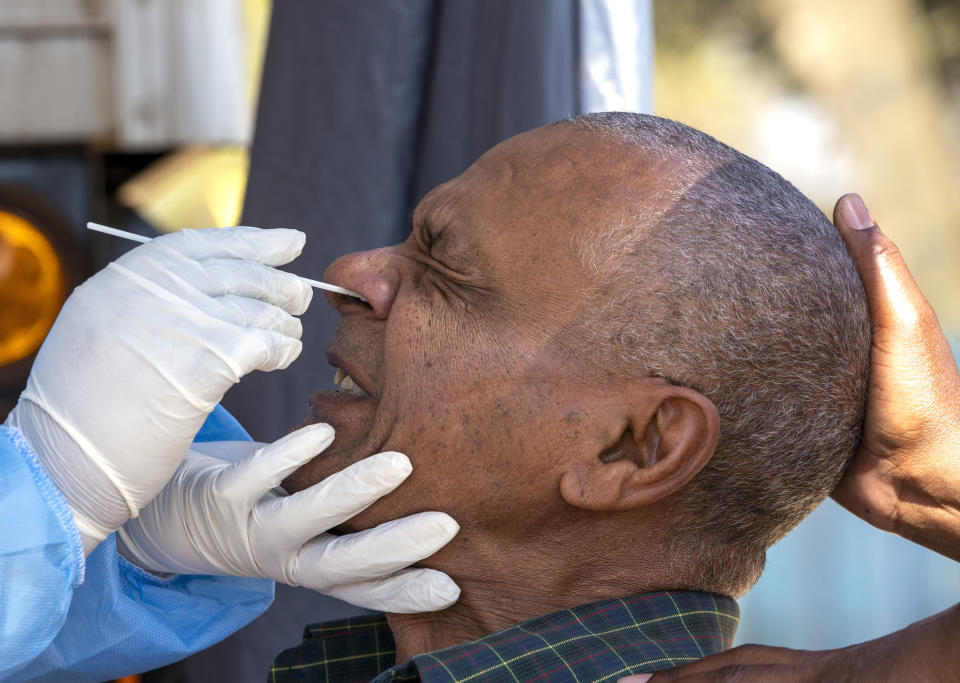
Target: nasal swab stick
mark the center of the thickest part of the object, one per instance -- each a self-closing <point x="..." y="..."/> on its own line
<point x="118" y="233"/>
<point x="140" y="238"/>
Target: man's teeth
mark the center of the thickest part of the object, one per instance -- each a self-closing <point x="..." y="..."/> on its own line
<point x="346" y="385"/>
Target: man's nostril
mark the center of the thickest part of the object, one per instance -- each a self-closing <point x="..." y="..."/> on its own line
<point x="341" y="300"/>
<point x="368" y="273"/>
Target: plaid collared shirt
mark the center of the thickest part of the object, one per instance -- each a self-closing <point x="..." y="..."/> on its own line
<point x="597" y="642"/>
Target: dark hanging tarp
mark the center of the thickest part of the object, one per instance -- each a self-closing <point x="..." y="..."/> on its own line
<point x="365" y="106"/>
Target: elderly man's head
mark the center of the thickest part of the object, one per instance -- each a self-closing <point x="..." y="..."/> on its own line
<point x="612" y="339"/>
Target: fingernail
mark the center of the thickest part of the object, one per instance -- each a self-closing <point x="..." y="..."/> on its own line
<point x="855" y="213"/>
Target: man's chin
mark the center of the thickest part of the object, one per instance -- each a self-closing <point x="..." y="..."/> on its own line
<point x="350" y="418"/>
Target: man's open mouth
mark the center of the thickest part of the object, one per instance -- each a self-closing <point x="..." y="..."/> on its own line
<point x="346" y="385"/>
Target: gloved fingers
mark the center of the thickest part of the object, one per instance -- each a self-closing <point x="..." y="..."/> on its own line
<point x="407" y="592"/>
<point x="252" y="477"/>
<point x="264" y="350"/>
<point x="173" y="277"/>
<point x="383" y="550"/>
<point x="255" y="281"/>
<point x="305" y="514"/>
<point x="271" y="247"/>
<point x="246" y="312"/>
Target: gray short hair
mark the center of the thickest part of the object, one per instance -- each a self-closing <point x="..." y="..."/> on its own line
<point x="742" y="290"/>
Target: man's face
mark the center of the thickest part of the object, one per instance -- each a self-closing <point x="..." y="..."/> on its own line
<point x="476" y="352"/>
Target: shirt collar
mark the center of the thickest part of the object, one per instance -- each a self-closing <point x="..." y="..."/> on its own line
<point x="598" y="641"/>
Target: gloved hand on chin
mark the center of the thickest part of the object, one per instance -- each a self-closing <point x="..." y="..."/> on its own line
<point x="224" y="515"/>
<point x="143" y="351"/>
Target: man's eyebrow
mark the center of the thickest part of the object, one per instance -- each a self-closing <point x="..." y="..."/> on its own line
<point x="433" y="221"/>
<point x="435" y="226"/>
<point x="426" y="225"/>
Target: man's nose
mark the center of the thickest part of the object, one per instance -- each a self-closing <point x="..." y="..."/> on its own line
<point x="372" y="274"/>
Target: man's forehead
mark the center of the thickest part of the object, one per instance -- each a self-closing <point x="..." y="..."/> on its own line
<point x="551" y="156"/>
<point x="550" y="169"/>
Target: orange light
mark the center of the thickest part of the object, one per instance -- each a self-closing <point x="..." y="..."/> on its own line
<point x="32" y="287"/>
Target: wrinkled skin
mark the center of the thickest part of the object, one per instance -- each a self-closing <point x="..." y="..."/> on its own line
<point x="481" y="357"/>
<point x="469" y="327"/>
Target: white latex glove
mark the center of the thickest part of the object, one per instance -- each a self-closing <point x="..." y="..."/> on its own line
<point x="143" y="351"/>
<point x="221" y="517"/>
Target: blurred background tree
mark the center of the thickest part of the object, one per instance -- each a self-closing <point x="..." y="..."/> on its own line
<point x="859" y="95"/>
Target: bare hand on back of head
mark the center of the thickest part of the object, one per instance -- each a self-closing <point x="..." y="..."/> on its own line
<point x="905" y="477"/>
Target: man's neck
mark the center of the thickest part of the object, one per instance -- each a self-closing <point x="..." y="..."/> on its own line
<point x="477" y="613"/>
<point x="502" y="591"/>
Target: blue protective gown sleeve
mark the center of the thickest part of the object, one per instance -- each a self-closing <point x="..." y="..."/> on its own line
<point x="65" y="619"/>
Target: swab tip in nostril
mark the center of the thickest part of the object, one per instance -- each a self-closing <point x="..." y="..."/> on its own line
<point x="332" y="288"/>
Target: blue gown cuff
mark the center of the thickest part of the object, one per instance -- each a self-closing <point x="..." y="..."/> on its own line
<point x="54" y="499"/>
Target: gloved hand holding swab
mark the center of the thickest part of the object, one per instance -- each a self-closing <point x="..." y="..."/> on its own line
<point x="143" y="351"/>
<point x="141" y="238"/>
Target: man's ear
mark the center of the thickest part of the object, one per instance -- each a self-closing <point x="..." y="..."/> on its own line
<point x="662" y="440"/>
